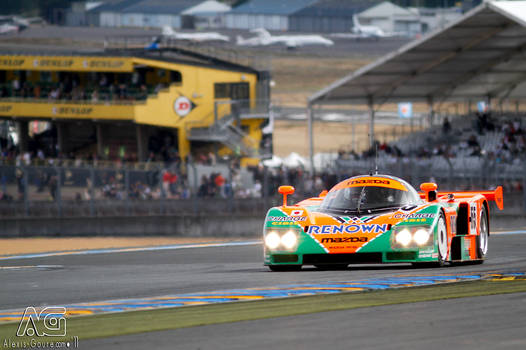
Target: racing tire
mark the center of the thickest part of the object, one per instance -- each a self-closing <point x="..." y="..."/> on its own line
<point x="282" y="268"/>
<point x="442" y="240"/>
<point x="483" y="237"/>
<point x="327" y="267"/>
<point x="441" y="243"/>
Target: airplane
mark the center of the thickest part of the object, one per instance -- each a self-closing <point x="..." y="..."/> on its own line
<point x="263" y="38"/>
<point x="366" y="31"/>
<point x="7" y="28"/>
<point x="169" y="33"/>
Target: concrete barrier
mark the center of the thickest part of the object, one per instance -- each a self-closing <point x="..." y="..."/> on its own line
<point x="184" y="225"/>
<point x="187" y="225"/>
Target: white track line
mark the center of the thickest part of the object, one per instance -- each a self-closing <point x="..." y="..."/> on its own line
<point x="125" y="250"/>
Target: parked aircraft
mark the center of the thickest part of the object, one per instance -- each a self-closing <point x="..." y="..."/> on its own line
<point x="366" y="31"/>
<point x="169" y="33"/>
<point x="263" y="38"/>
<point x="7" y="28"/>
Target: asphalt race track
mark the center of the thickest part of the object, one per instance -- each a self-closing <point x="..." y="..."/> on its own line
<point x="68" y="279"/>
<point x="65" y="279"/>
<point x="490" y="322"/>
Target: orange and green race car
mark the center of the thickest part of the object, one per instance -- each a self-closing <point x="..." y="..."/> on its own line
<point x="378" y="219"/>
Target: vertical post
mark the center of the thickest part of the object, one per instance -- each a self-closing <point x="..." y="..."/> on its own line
<point x="524" y="188"/>
<point x="25" y="183"/>
<point x="58" y="191"/>
<point x="100" y="149"/>
<point x="215" y="112"/>
<point x="371" y="123"/>
<point x="431" y="111"/>
<point x="517" y="106"/>
<point x="265" y="187"/>
<point x="60" y="137"/>
<point x="196" y="187"/>
<point x="162" y="197"/>
<point x="353" y="133"/>
<point x="23" y="135"/>
<point x="127" y="190"/>
<point x="310" y="120"/>
<point x="141" y="143"/>
<point x="92" y="192"/>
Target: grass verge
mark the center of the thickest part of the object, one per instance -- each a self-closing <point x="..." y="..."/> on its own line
<point x="163" y="319"/>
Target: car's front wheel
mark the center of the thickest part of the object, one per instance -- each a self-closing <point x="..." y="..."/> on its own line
<point x="442" y="245"/>
<point x="442" y="240"/>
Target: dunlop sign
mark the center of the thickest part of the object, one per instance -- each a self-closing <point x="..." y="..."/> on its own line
<point x="67" y="63"/>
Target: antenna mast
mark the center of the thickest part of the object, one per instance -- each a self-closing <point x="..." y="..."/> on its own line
<point x="376" y="160"/>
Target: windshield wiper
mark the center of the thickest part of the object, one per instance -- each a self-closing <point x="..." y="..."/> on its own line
<point x="382" y="208"/>
<point x="345" y="211"/>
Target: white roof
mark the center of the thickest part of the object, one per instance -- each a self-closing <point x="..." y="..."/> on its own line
<point x="385" y="9"/>
<point x="209" y="6"/>
<point x="482" y="54"/>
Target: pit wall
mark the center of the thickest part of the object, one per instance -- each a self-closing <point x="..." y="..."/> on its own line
<point x="244" y="225"/>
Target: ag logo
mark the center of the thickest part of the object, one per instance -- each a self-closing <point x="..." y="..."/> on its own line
<point x="53" y="322"/>
<point x="183" y="106"/>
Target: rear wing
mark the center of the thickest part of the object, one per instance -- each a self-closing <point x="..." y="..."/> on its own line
<point x="495" y="195"/>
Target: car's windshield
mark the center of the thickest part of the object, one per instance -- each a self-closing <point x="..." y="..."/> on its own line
<point x="365" y="198"/>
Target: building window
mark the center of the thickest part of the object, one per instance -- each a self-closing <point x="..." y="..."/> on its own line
<point x="234" y="91"/>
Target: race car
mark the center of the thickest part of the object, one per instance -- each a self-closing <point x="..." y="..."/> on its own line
<point x="378" y="219"/>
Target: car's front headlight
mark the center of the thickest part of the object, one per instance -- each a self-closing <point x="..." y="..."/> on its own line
<point x="421" y="236"/>
<point x="272" y="240"/>
<point x="281" y="238"/>
<point x="403" y="237"/>
<point x="411" y="236"/>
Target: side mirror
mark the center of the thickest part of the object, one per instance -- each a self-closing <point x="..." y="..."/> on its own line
<point x="430" y="188"/>
<point x="285" y="191"/>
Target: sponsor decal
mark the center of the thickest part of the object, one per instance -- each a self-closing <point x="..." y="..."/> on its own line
<point x="72" y="110"/>
<point x="5" y="108"/>
<point x="414" y="216"/>
<point x="427" y="253"/>
<point x="335" y="229"/>
<point x="53" y="63"/>
<point x="102" y="64"/>
<point x="182" y="106"/>
<point x="11" y="62"/>
<point x="298" y="212"/>
<point x="365" y="181"/>
<point x="286" y="218"/>
<point x="344" y="240"/>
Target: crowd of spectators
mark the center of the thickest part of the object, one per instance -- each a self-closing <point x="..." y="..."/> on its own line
<point x="487" y="138"/>
<point x="105" y="89"/>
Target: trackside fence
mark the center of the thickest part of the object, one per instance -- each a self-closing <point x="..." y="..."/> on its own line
<point x="62" y="191"/>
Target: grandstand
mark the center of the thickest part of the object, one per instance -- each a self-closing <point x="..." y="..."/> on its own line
<point x="132" y="105"/>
